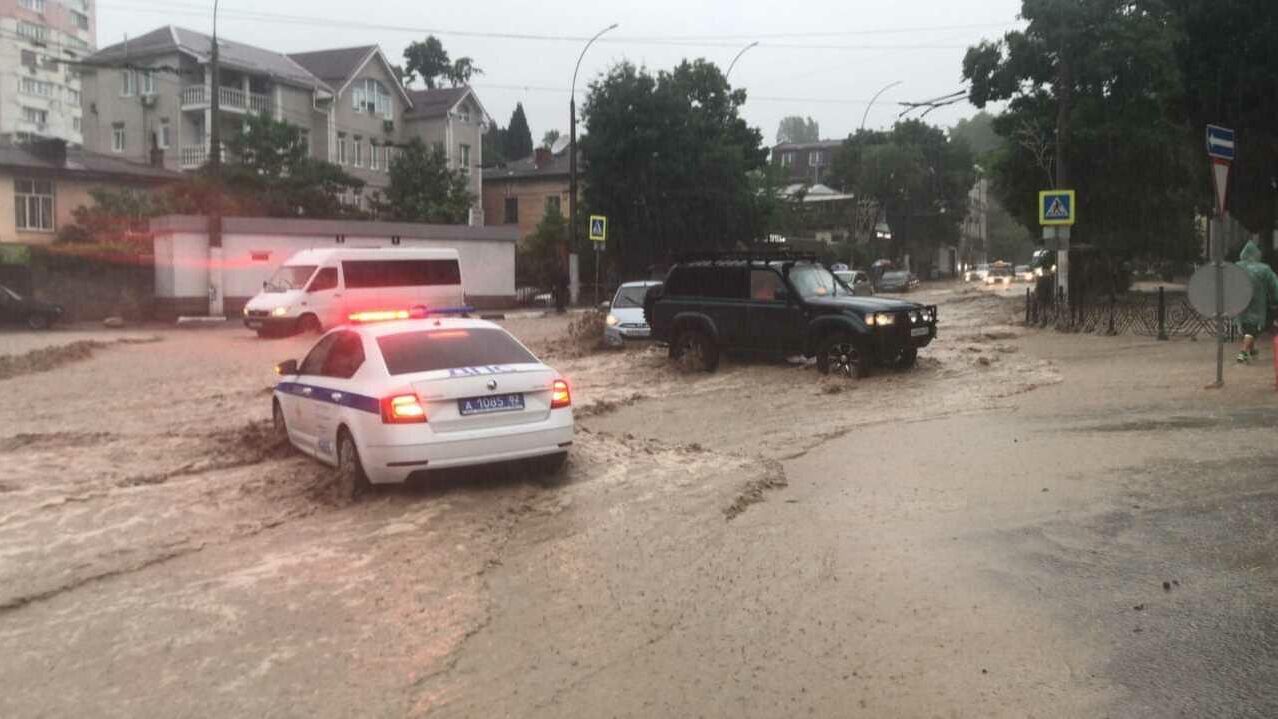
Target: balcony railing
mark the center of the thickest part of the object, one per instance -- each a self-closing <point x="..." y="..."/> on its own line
<point x="193" y="157"/>
<point x="196" y="97"/>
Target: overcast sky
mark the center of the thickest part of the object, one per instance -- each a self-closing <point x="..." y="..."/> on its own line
<point x="822" y="59"/>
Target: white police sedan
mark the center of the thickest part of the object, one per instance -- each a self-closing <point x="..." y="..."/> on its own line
<point x="392" y="394"/>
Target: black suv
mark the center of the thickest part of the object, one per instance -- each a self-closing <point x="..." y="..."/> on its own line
<point x="781" y="304"/>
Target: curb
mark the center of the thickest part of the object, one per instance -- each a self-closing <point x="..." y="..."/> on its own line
<point x="198" y="322"/>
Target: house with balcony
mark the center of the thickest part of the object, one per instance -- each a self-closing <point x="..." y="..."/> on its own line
<point x="149" y="99"/>
<point x="453" y="119"/>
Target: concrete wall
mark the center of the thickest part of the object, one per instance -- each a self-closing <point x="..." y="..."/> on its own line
<point x="531" y="193"/>
<point x="253" y="248"/>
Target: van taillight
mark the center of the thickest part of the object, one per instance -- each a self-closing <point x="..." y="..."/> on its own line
<point x="559" y="395"/>
<point x="402" y="409"/>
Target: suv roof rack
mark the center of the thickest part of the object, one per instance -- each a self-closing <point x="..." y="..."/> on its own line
<point x="747" y="256"/>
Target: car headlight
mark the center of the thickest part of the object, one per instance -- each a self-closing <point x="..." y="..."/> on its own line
<point x="880" y="319"/>
<point x="1038" y="272"/>
<point x="279" y="311"/>
<point x="245" y="310"/>
<point x="612" y="321"/>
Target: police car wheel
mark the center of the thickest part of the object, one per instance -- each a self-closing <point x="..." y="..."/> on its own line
<point x="351" y="480"/>
<point x="278" y="423"/>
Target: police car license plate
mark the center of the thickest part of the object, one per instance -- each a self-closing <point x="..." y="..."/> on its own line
<point x="920" y="332"/>
<point x="490" y="404"/>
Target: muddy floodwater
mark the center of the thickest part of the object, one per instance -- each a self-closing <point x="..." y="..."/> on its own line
<point x="1027" y="524"/>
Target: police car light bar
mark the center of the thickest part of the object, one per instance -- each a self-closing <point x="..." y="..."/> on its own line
<point x="413" y="313"/>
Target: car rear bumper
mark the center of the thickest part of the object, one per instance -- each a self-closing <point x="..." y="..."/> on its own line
<point x="394" y="463"/>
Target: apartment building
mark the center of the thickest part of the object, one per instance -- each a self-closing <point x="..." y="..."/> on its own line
<point x="147" y="100"/>
<point x="40" y="43"/>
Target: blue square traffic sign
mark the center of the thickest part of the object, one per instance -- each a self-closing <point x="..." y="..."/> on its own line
<point x="1220" y="142"/>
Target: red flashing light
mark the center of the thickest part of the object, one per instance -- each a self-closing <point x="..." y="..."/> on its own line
<point x="403" y="409"/>
<point x="559" y="395"/>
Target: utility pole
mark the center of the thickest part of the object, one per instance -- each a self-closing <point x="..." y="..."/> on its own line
<point x="562" y="282"/>
<point x="1065" y="98"/>
<point x="216" y="307"/>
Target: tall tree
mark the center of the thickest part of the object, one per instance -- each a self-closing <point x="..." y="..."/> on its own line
<point x="798" y="129"/>
<point x="271" y="172"/>
<point x="549" y="139"/>
<point x="494" y="146"/>
<point x="423" y="188"/>
<point x="1089" y="83"/>
<point x="429" y="60"/>
<point x="518" y="140"/>
<point x="667" y="158"/>
<point x="978" y="132"/>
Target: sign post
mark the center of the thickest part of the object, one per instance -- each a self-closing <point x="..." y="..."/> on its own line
<point x="1220" y="148"/>
<point x="599" y="236"/>
<point x="1056" y="213"/>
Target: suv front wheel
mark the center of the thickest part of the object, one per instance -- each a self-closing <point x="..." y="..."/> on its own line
<point x="840" y="355"/>
<point x="694" y="351"/>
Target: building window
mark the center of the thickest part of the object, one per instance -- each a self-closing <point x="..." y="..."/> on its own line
<point x="29" y="58"/>
<point x="32" y="5"/>
<point x="33" y="205"/>
<point x="816" y="159"/>
<point x="81" y="5"/>
<point x="50" y="63"/>
<point x="76" y="42"/>
<point x="163" y="137"/>
<point x="512" y="210"/>
<point x="341" y="149"/>
<point x="390" y="156"/>
<point x="465" y="158"/>
<point x="148" y="82"/>
<point x="304" y="139"/>
<point x="372" y="97"/>
<point x="80" y="19"/>
<point x="787" y="159"/>
<point x="552" y="205"/>
<point x="463" y="114"/>
<point x="32" y="86"/>
<point x="374" y="162"/>
<point x="359" y="151"/>
<point x="33" y="32"/>
<point x="75" y="124"/>
<point x="117" y="137"/>
<point x="35" y="115"/>
<point x="128" y="83"/>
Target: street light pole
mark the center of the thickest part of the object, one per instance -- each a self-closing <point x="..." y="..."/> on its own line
<point x="885" y="88"/>
<point x="216" y="294"/>
<point x="733" y="64"/>
<point x="560" y="299"/>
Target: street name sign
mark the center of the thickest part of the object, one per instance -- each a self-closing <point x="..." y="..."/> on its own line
<point x="1220" y="142"/>
<point x="1056" y="208"/>
<point x="598" y="228"/>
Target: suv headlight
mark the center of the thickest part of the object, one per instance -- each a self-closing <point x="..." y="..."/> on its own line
<point x="880" y="319"/>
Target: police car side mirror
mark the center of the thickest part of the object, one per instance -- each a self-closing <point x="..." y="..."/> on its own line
<point x="286" y="368"/>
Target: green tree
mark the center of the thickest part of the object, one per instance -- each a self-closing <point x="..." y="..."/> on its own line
<point x="798" y="129"/>
<point x="978" y="132"/>
<point x="494" y="146"/>
<point x="429" y="61"/>
<point x="549" y="139"/>
<point x="270" y="172"/>
<point x="518" y="140"/>
<point x="538" y="261"/>
<point x="1090" y="84"/>
<point x="423" y="189"/>
<point x="668" y="159"/>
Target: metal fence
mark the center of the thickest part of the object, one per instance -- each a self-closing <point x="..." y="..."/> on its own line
<point x="1159" y="314"/>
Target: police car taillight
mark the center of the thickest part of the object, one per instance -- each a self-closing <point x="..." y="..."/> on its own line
<point x="559" y="395"/>
<point x="402" y="409"/>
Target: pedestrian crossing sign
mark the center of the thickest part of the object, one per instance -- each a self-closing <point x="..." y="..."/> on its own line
<point x="598" y="228"/>
<point x="1056" y="207"/>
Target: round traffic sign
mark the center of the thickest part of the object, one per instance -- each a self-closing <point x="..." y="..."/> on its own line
<point x="1202" y="290"/>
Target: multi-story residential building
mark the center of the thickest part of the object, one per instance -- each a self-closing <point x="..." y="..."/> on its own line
<point x="806" y="162"/>
<point x="454" y="119"/>
<point x="40" y="43"/>
<point x="148" y="100"/>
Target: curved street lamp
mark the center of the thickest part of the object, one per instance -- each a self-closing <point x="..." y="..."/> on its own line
<point x="887" y="87"/>
<point x="733" y="64"/>
<point x="572" y="174"/>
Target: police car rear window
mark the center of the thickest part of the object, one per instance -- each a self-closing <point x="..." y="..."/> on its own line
<point x="430" y="350"/>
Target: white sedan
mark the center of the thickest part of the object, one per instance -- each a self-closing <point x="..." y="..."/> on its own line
<point x="385" y="397"/>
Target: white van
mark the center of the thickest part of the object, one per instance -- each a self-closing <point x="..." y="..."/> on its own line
<point x="317" y="289"/>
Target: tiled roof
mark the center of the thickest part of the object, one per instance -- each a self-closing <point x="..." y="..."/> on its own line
<point x="79" y="162"/>
<point x="335" y="66"/>
<point x="527" y="167"/>
<point x="437" y="102"/>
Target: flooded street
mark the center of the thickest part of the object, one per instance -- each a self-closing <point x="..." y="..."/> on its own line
<point x="1026" y="524"/>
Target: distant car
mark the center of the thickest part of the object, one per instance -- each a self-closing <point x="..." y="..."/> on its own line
<point x="625" y="319"/>
<point x="1024" y="273"/>
<point x="976" y="274"/>
<point x="898" y="281"/>
<point x="36" y="314"/>
<point x="857" y="280"/>
<point x="999" y="274"/>
<point x="380" y="400"/>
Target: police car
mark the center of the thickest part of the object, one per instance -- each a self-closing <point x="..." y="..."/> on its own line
<point x="398" y="392"/>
